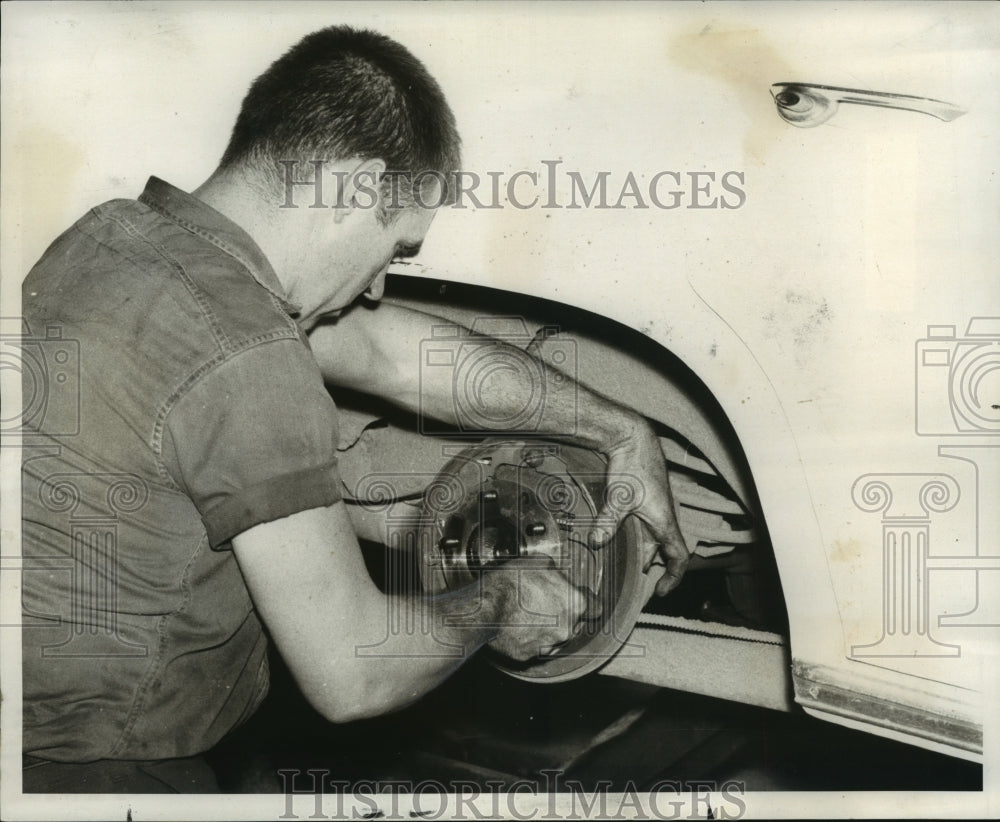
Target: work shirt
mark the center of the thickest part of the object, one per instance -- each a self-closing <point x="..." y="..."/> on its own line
<point x="171" y="402"/>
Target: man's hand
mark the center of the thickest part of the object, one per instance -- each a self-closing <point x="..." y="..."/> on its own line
<point x="540" y="611"/>
<point x="637" y="484"/>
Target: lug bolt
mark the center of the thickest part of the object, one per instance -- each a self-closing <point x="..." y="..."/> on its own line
<point x="533" y="457"/>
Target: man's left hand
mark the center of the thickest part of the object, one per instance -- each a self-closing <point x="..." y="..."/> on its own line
<point x="637" y="484"/>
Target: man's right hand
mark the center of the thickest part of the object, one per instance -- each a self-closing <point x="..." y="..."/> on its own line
<point x="539" y="609"/>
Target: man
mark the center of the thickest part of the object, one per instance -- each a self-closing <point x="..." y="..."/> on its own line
<point x="196" y="497"/>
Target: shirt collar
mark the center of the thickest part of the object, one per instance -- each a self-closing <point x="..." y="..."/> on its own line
<point x="201" y="219"/>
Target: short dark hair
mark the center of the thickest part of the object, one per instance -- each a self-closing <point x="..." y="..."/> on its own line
<point x="340" y="93"/>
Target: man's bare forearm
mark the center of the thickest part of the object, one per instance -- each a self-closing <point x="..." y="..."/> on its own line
<point x="420" y="642"/>
<point x="378" y="351"/>
<point x="355" y="651"/>
<point x="425" y="639"/>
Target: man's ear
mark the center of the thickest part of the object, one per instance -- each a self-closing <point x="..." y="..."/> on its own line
<point x="361" y="188"/>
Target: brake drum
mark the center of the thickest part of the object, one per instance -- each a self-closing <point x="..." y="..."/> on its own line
<point x="539" y="500"/>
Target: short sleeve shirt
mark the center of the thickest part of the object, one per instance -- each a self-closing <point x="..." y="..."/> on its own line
<point x="172" y="403"/>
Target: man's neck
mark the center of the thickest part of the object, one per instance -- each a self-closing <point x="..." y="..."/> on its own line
<point x="233" y="196"/>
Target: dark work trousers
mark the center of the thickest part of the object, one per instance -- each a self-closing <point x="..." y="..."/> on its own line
<point x="189" y="775"/>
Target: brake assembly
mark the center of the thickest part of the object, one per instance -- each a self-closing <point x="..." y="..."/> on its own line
<point x="539" y="501"/>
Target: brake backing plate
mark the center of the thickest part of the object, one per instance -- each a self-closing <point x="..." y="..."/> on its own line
<point x="502" y="499"/>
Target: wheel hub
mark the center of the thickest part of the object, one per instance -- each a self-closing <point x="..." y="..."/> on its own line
<point x="503" y="499"/>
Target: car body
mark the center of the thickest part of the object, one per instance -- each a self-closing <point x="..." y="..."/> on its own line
<point x="839" y="299"/>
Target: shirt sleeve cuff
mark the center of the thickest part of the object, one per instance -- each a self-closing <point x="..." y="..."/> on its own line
<point x="276" y="498"/>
